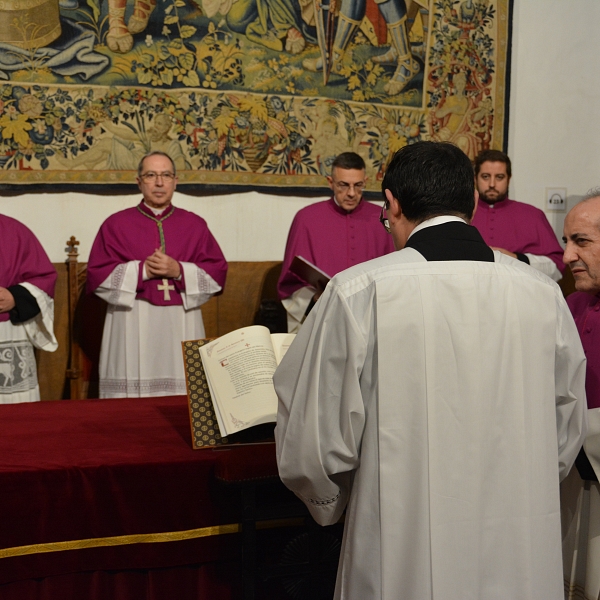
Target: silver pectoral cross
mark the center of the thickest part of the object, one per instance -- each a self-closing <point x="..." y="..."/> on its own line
<point x="165" y="287"/>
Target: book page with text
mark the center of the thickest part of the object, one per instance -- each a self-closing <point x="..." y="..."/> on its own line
<point x="239" y="368"/>
<point x="281" y="343"/>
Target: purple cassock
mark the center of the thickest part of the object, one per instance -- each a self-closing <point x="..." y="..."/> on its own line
<point x="333" y="239"/>
<point x="147" y="320"/>
<point x="23" y="259"/>
<point x="135" y="233"/>
<point x="518" y="227"/>
<point x="585" y="309"/>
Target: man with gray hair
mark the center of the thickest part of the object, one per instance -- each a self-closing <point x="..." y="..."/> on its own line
<point x="332" y="235"/>
<point x="155" y="265"/>
<point x="581" y="491"/>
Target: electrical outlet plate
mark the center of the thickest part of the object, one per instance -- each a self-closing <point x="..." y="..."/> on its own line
<point x="556" y="199"/>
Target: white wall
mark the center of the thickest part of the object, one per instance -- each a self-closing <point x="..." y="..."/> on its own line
<point x="554" y="141"/>
<point x="554" y="126"/>
<point x="248" y="226"/>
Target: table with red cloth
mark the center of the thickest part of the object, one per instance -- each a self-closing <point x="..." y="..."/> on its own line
<point x="107" y="499"/>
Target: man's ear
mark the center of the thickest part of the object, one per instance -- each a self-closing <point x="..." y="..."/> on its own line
<point x="476" y="204"/>
<point x="395" y="208"/>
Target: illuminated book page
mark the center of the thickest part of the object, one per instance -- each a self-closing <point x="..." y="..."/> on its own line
<point x="239" y="369"/>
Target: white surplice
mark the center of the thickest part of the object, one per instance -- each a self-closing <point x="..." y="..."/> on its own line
<point x="438" y="403"/>
<point x="580" y="509"/>
<point x="18" y="375"/>
<point x="141" y="351"/>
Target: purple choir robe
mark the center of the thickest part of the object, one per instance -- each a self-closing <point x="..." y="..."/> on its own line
<point x="23" y="260"/>
<point x="585" y="309"/>
<point x="333" y="240"/>
<point x="141" y="343"/>
<point x="130" y="235"/>
<point x="518" y="227"/>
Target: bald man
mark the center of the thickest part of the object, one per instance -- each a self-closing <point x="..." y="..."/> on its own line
<point x="580" y="493"/>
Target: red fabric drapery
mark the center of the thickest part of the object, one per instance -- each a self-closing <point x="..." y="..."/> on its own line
<point x="75" y="472"/>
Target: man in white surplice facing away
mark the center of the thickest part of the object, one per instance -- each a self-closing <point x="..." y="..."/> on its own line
<point x="155" y="265"/>
<point x="436" y="394"/>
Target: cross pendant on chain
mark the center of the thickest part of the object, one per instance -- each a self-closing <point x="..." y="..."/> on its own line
<point x="165" y="287"/>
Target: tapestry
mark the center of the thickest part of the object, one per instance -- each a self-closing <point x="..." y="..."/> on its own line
<point x="254" y="94"/>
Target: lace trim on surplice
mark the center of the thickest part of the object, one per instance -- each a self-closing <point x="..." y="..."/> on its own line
<point x="117" y="278"/>
<point x="206" y="284"/>
<point x="134" y="388"/>
<point x="325" y="501"/>
<point x="17" y="367"/>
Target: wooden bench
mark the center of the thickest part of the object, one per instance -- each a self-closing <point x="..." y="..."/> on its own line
<point x="72" y="371"/>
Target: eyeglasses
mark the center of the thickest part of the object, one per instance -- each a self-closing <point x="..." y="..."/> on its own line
<point x="344" y="187"/>
<point x="152" y="176"/>
<point x="383" y="219"/>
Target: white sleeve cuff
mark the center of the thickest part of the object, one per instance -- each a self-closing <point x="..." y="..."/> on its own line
<point x="296" y="306"/>
<point x="40" y="329"/>
<point x="199" y="286"/>
<point x="120" y="287"/>
<point x="544" y="264"/>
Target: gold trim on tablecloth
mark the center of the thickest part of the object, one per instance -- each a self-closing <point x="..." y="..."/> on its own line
<point x="145" y="538"/>
<point x="121" y="540"/>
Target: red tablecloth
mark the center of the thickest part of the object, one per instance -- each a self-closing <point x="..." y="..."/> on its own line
<point x="75" y="472"/>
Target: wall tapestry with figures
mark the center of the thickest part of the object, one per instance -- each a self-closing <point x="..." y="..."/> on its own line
<point x="250" y="93"/>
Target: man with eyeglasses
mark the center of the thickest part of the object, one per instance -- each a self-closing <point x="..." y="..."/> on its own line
<point x="332" y="235"/>
<point x="436" y="394"/>
<point x="155" y="265"/>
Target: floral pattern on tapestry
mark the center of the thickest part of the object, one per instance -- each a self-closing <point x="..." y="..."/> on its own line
<point x="249" y="93"/>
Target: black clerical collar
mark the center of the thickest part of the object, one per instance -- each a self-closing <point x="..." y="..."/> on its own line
<point x="451" y="240"/>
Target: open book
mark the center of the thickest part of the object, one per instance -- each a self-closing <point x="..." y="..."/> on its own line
<point x="309" y="273"/>
<point x="239" y="369"/>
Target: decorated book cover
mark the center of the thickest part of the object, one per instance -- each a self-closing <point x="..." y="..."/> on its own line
<point x="204" y="420"/>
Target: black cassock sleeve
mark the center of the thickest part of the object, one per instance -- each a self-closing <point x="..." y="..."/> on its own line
<point x="26" y="306"/>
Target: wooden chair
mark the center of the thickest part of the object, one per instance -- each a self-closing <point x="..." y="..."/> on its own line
<point x="247" y="285"/>
<point x="52" y="367"/>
